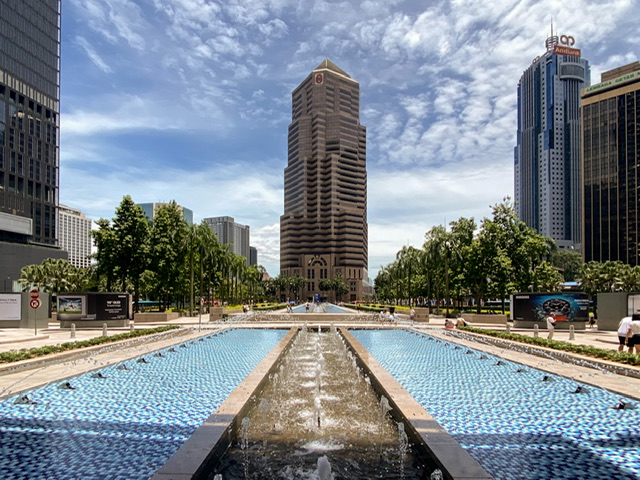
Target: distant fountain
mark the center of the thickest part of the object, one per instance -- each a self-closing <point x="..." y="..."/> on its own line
<point x="316" y="418"/>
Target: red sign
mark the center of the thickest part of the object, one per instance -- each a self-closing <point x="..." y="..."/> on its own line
<point x="34" y="293"/>
<point x="560" y="50"/>
<point x="319" y="78"/>
<point x="35" y="303"/>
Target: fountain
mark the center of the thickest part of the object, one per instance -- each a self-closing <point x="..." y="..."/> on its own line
<point x="319" y="414"/>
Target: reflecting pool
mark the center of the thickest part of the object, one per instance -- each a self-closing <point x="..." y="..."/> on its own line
<point x="519" y="423"/>
<point x="126" y="423"/>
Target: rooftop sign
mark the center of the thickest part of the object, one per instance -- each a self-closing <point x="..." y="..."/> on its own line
<point x="616" y="82"/>
<point x="560" y="50"/>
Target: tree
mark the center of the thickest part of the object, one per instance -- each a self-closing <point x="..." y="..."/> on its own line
<point x="548" y="278"/>
<point x="105" y="242"/>
<point x="131" y="232"/>
<point x="568" y="262"/>
<point x="167" y="252"/>
<point x="295" y="285"/>
<point x="339" y="287"/>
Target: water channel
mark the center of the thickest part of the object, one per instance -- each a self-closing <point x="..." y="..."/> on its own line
<point x="320" y="414"/>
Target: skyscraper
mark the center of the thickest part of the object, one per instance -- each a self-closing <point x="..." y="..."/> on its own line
<point x="323" y="232"/>
<point x="611" y="154"/>
<point x="29" y="132"/>
<point x="75" y="236"/>
<point x="548" y="194"/>
<point x="150" y="210"/>
<point x="233" y="234"/>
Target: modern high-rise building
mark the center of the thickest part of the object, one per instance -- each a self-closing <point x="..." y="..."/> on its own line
<point x="231" y="233"/>
<point x="323" y="232"/>
<point x="75" y="235"/>
<point x="29" y="133"/>
<point x="611" y="166"/>
<point x="253" y="256"/>
<point x="548" y="191"/>
<point x="150" y="210"/>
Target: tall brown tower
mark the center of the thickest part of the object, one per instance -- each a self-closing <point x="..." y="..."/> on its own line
<point x="323" y="232"/>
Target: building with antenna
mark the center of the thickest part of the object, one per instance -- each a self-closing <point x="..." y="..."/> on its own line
<point x="547" y="158"/>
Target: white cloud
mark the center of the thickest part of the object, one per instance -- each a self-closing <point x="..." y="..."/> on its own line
<point x="91" y="53"/>
<point x="191" y="100"/>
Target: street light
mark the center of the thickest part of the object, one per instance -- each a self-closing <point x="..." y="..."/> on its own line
<point x="447" y="244"/>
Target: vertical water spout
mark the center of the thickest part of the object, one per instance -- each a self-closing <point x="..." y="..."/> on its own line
<point x="403" y="445"/>
<point x="324" y="468"/>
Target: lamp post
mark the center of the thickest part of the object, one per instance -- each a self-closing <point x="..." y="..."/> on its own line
<point x="447" y="244"/>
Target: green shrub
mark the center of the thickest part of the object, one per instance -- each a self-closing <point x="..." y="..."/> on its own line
<point x="24" y="354"/>
<point x="611" y="355"/>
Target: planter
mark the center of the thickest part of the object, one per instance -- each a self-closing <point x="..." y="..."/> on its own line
<point x="492" y="318"/>
<point x="155" y="317"/>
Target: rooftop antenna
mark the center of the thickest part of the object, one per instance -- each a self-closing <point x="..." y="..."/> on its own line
<point x="552" y="41"/>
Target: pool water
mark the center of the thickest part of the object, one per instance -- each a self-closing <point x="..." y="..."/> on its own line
<point x="127" y="425"/>
<point x="319" y="308"/>
<point x="517" y="426"/>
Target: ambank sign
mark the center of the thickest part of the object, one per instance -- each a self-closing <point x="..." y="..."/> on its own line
<point x="561" y="50"/>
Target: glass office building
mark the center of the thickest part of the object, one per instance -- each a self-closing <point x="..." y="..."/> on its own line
<point x="611" y="155"/>
<point x="29" y="133"/>
<point x="548" y="193"/>
<point x="29" y="120"/>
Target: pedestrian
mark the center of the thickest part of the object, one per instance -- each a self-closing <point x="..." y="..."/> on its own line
<point x="412" y="314"/>
<point x="551" y="326"/>
<point x="448" y="324"/>
<point x="633" y="335"/>
<point x="306" y="307"/>
<point x="623" y="329"/>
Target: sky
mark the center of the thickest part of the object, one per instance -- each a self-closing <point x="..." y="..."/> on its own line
<point x="190" y="100"/>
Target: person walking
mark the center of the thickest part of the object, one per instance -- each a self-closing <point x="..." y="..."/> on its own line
<point x="623" y="329"/>
<point x="551" y="326"/>
<point x="633" y="335"/>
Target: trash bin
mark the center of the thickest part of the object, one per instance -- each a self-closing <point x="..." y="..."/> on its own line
<point x="392" y="310"/>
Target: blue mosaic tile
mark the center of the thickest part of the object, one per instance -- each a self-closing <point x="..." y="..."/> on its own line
<point x="126" y="426"/>
<point x="516" y="425"/>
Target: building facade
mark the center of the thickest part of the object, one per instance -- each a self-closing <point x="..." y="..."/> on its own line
<point x="547" y="183"/>
<point x="611" y="156"/>
<point x="324" y="232"/>
<point x="253" y="256"/>
<point x="29" y="132"/>
<point x="75" y="235"/>
<point x="150" y="210"/>
<point x="231" y="233"/>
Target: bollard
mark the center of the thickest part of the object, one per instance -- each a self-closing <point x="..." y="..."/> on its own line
<point x="73" y="330"/>
<point x="131" y="326"/>
<point x="536" y="332"/>
<point x="572" y="332"/>
<point x="104" y="329"/>
<point x="508" y="327"/>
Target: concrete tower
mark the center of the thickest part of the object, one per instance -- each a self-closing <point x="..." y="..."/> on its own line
<point x="548" y="192"/>
<point x="323" y="232"/>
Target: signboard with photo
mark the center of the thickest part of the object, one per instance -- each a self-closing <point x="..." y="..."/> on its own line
<point x="563" y="307"/>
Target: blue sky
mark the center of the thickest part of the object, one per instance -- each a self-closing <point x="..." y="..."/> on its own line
<point x="189" y="100"/>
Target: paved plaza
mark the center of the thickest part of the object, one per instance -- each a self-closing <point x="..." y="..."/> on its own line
<point x="25" y="375"/>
